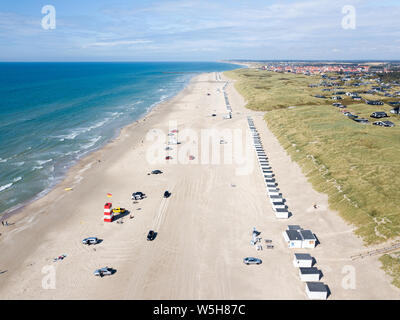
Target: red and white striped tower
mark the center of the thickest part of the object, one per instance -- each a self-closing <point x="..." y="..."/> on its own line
<point x="108" y="213"/>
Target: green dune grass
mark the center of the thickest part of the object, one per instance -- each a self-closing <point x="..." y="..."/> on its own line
<point x="357" y="165"/>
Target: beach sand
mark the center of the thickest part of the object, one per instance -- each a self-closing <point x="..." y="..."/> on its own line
<point x="204" y="228"/>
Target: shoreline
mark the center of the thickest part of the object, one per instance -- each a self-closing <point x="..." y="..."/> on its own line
<point x="16" y="210"/>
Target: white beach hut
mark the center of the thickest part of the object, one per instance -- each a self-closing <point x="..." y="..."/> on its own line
<point x="282" y="213"/>
<point x="292" y="238"/>
<point x="309" y="240"/>
<point x="302" y="260"/>
<point x="316" y="290"/>
<point x="309" y="274"/>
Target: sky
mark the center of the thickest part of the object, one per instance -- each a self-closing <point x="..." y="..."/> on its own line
<point x="200" y="30"/>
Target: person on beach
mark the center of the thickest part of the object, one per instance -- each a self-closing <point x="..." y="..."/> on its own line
<point x="315" y="205"/>
<point x="2" y="222"/>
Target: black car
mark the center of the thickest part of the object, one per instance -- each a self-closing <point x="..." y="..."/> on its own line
<point x="151" y="235"/>
<point x="138" y="195"/>
<point x="167" y="194"/>
<point x="384" y="123"/>
<point x="379" y="114"/>
<point x="156" y="172"/>
<point x="360" y="120"/>
<point x="352" y="116"/>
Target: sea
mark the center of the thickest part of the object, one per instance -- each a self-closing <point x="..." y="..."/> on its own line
<point x="53" y="114"/>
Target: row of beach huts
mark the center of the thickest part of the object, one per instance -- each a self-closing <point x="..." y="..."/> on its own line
<point x="295" y="236"/>
<point x="278" y="203"/>
<point x="228" y="105"/>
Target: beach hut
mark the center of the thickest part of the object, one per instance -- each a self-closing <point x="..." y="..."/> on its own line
<point x="277" y="205"/>
<point x="309" y="274"/>
<point x="292" y="238"/>
<point x="316" y="290"/>
<point x="309" y="240"/>
<point x="108" y="212"/>
<point x="275" y="197"/>
<point x="282" y="213"/>
<point x="302" y="260"/>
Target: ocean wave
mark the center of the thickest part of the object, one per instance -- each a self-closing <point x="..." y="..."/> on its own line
<point x="3" y="160"/>
<point x="92" y="142"/>
<point x="116" y="114"/>
<point x="37" y="168"/>
<point x="40" y="162"/>
<point x="72" y="152"/>
<point x="17" y="179"/>
<point x="72" y="135"/>
<point x="19" y="164"/>
<point x="6" y="186"/>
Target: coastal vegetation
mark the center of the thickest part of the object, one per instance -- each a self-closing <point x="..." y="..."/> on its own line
<point x="391" y="265"/>
<point x="267" y="91"/>
<point x="356" y="165"/>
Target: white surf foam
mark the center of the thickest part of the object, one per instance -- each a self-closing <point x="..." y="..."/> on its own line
<point x="6" y="186"/>
<point x="40" y="162"/>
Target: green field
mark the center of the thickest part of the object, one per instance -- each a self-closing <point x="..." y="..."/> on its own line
<point x="357" y="165"/>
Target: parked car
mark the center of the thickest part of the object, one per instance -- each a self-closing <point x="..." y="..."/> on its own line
<point x="167" y="194"/>
<point x="384" y="123"/>
<point x="151" y="235"/>
<point x="156" y="172"/>
<point x="360" y="120"/>
<point x="104" y="272"/>
<point x="90" y="240"/>
<point x="138" y="195"/>
<point x="251" y="260"/>
<point x="352" y="116"/>
<point x="118" y="210"/>
<point x="375" y="103"/>
<point x="379" y="114"/>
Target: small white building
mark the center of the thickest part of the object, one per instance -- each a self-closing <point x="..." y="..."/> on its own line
<point x="316" y="290"/>
<point x="302" y="260"/>
<point x="292" y="238"/>
<point x="309" y="274"/>
<point x="282" y="213"/>
<point x="306" y="237"/>
<point x="309" y="240"/>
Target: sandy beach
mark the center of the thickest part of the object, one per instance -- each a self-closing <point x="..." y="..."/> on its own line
<point x="204" y="228"/>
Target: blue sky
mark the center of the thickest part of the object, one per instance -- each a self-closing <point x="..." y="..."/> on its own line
<point x="189" y="30"/>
